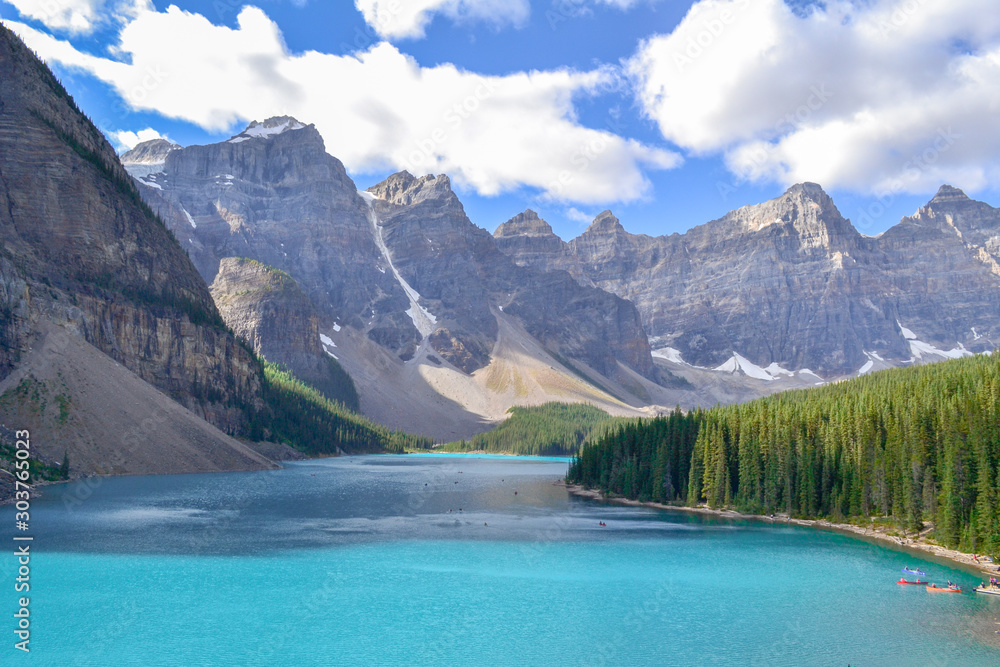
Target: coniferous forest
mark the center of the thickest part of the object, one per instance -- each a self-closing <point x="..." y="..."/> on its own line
<point x="552" y="429"/>
<point x="913" y="445"/>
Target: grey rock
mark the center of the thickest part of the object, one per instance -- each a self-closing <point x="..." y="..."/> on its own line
<point x="792" y="282"/>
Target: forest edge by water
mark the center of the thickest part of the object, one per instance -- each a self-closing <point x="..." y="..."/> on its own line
<point x="879" y="532"/>
<point x="916" y="449"/>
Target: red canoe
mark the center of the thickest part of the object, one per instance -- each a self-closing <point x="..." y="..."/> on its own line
<point x="904" y="582"/>
<point x="934" y="589"/>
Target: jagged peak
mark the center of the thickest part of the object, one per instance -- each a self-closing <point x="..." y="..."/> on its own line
<point x="524" y="224"/>
<point x="807" y="189"/>
<point x="153" y="151"/>
<point x="804" y="206"/>
<point x="268" y="128"/>
<point x="605" y="223"/>
<point x="947" y="194"/>
<point x="403" y="188"/>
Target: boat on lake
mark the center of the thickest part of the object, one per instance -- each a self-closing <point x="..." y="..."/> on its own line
<point x="918" y="573"/>
<point x="950" y="589"/>
<point x="904" y="582"/>
<point x="988" y="590"/>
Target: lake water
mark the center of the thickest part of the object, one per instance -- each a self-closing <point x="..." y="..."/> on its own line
<point x="435" y="560"/>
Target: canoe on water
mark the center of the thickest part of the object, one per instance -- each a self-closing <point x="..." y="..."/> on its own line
<point x="904" y="582"/>
<point x="907" y="570"/>
<point x="988" y="590"/>
<point x="950" y="589"/>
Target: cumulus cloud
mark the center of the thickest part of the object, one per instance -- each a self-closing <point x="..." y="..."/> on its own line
<point x="125" y="140"/>
<point x="873" y="96"/>
<point x="579" y="216"/>
<point x="376" y="109"/>
<point x="71" y="15"/>
<point x="400" y="19"/>
<point x="77" y="16"/>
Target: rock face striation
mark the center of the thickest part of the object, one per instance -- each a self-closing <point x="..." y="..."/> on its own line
<point x="266" y="308"/>
<point x="791" y="282"/>
<point x="461" y="275"/>
<point x="401" y="263"/>
<point x="82" y="255"/>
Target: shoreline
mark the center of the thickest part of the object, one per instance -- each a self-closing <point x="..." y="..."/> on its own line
<point x="924" y="548"/>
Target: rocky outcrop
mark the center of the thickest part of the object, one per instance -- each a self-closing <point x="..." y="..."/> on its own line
<point x="266" y="308"/>
<point x="82" y="253"/>
<point x="460" y="274"/>
<point x="400" y="263"/>
<point x="272" y="193"/>
<point x="791" y="282"/>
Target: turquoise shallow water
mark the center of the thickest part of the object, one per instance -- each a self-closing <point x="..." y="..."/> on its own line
<point x="359" y="561"/>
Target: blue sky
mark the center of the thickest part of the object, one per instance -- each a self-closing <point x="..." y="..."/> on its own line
<point x="668" y="113"/>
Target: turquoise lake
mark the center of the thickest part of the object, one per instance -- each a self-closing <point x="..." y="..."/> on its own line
<point x="433" y="560"/>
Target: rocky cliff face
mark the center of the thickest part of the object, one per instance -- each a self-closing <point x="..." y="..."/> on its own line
<point x="460" y="275"/>
<point x="266" y="308"/>
<point x="81" y="253"/>
<point x="400" y="263"/>
<point x="791" y="282"/>
<point x="272" y="193"/>
<point x="80" y="248"/>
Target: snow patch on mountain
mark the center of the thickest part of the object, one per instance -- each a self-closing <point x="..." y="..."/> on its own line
<point x="748" y="368"/>
<point x="919" y="349"/>
<point x="423" y="319"/>
<point x="269" y="128"/>
<point x="774" y="370"/>
<point x="670" y="354"/>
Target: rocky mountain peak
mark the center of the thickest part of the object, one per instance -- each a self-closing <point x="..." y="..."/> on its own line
<point x="947" y="194"/>
<point x="805" y="207"/>
<point x="268" y="129"/>
<point x="605" y="223"/>
<point x="404" y="189"/>
<point x="524" y="224"/>
<point x="149" y="152"/>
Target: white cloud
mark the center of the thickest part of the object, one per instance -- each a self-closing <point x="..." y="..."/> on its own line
<point x="577" y="215"/>
<point x="875" y="96"/>
<point x="76" y="16"/>
<point x="396" y="19"/>
<point x="127" y="140"/>
<point x="71" y="15"/>
<point x="377" y="109"/>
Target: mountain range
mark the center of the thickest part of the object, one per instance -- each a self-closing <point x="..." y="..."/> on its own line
<point x="443" y="326"/>
<point x="791" y="283"/>
<point x="160" y="279"/>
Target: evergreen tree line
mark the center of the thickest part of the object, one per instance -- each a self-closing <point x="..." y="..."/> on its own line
<point x="913" y="445"/>
<point x="297" y="414"/>
<point x="552" y="429"/>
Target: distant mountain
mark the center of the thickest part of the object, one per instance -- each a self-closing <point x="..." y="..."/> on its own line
<point x="790" y="285"/>
<point x="405" y="284"/>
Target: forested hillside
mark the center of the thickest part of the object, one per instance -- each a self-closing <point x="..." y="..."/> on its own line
<point x="552" y="429"/>
<point x="914" y="444"/>
<point x="299" y="415"/>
